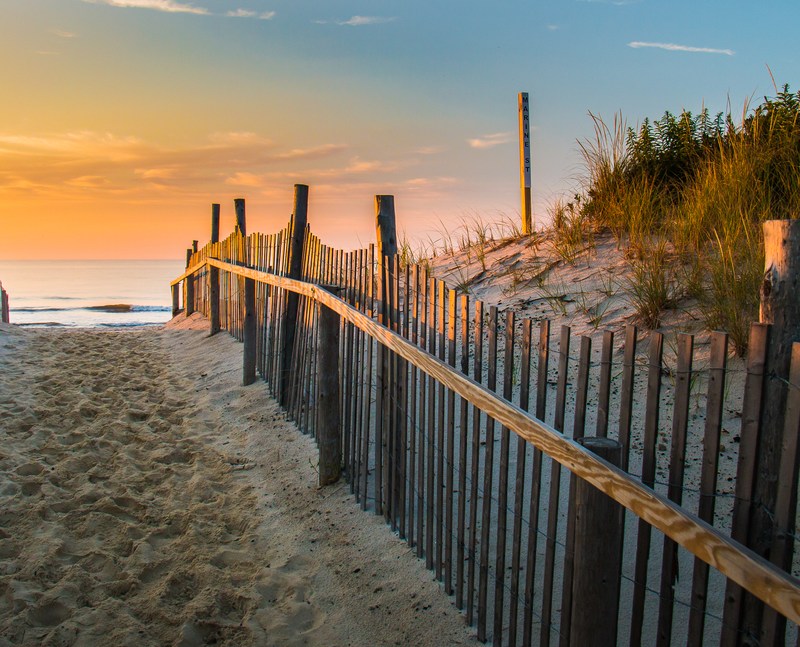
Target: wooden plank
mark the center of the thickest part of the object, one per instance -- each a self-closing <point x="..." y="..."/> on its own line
<point x="715" y="401"/>
<point x="555" y="492"/>
<point x="423" y="382"/>
<point x="519" y="483"/>
<point x="775" y="588"/>
<point x="774" y="625"/>
<point x="452" y="322"/>
<point x="502" y="489"/>
<point x="652" y="417"/>
<point x="677" y="464"/>
<point x="477" y="375"/>
<point x="249" y="350"/>
<point x="462" y="458"/>
<point x="754" y="386"/>
<point x="330" y="436"/>
<point x="626" y="394"/>
<point x="406" y="458"/>
<point x="488" y="482"/>
<point x="413" y="336"/>
<point x="440" y="433"/>
<point x="543" y="352"/>
<point x="578" y="431"/>
<point x="604" y="390"/>
<point x="429" y="482"/>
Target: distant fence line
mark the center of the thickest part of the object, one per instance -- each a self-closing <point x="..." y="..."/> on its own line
<point x="396" y="376"/>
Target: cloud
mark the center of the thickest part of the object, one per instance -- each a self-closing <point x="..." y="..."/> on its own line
<point x="489" y="141"/>
<point x="241" y="13"/>
<point x="618" y="3"/>
<point x="63" y="34"/>
<point x="430" y="150"/>
<point x="672" y="47"/>
<point x="553" y="27"/>
<point x="359" y="21"/>
<point x="169" y="6"/>
<point x="83" y="165"/>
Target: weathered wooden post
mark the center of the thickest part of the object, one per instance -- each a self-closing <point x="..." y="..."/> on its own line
<point x="525" y="161"/>
<point x="176" y="299"/>
<point x="213" y="273"/>
<point x="780" y="307"/>
<point x="297" y="228"/>
<point x="241" y="224"/>
<point x="598" y="549"/>
<point x="188" y="286"/>
<point x="386" y="232"/>
<point x="4" y="306"/>
<point x="328" y="399"/>
<point x="249" y="352"/>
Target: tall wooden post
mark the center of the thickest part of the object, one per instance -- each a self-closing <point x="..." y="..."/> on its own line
<point x="525" y="162"/>
<point x="386" y="232"/>
<point x="597" y="562"/>
<point x="4" y="307"/>
<point x="297" y="228"/>
<point x="176" y="299"/>
<point x="213" y="274"/>
<point x="249" y="352"/>
<point x="241" y="225"/>
<point x="328" y="399"/>
<point x="780" y="307"/>
<point x="188" y="286"/>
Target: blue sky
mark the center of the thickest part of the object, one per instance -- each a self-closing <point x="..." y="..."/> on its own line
<point x="128" y="118"/>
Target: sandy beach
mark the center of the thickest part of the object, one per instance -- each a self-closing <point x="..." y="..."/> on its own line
<point x="146" y="498"/>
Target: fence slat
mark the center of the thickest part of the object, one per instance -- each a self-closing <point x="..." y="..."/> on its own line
<point x="604" y="390"/>
<point x="652" y="418"/>
<point x="745" y="471"/>
<point x="502" y="489"/>
<point x="462" y="458"/>
<point x="477" y="373"/>
<point x="488" y="481"/>
<point x="519" y="483"/>
<point x="555" y="492"/>
<point x="708" y="478"/>
<point x="677" y="464"/>
<point x="452" y="323"/>
<point x="536" y="482"/>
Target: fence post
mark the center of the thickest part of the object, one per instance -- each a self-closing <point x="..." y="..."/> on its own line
<point x="188" y="286"/>
<point x="213" y="274"/>
<point x="176" y="299"/>
<point x="328" y="400"/>
<point x="780" y="308"/>
<point x="4" y="307"/>
<point x="249" y="351"/>
<point x="297" y="228"/>
<point x="386" y="233"/>
<point x="598" y="548"/>
<point x="241" y="225"/>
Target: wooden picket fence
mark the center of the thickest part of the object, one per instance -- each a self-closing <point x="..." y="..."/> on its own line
<point x="455" y="422"/>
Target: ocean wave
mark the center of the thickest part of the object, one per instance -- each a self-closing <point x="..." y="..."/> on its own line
<point x="111" y="308"/>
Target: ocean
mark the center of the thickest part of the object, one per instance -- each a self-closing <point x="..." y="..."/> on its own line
<point x="93" y="294"/>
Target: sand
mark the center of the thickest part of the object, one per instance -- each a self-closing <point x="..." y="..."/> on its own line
<point x="146" y="498"/>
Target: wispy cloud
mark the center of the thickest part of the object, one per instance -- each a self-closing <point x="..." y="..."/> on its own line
<point x="359" y="21"/>
<point x="169" y="6"/>
<point x="489" y="141"/>
<point x="673" y="47"/>
<point x="247" y="13"/>
<point x="61" y="33"/>
<point x="80" y="164"/>
<point x="618" y="3"/>
<point x="553" y="27"/>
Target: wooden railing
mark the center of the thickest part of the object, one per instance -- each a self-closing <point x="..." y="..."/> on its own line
<point x="362" y="353"/>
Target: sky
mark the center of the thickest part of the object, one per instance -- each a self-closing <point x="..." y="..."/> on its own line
<point x="122" y="121"/>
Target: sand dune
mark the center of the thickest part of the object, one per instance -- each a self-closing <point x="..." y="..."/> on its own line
<point x="148" y="499"/>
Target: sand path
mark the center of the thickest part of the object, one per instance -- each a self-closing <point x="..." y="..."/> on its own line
<point x="148" y="499"/>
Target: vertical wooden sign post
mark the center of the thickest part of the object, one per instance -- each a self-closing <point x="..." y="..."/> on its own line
<point x="525" y="162"/>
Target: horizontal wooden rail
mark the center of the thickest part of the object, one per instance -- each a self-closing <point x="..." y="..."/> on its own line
<point x="778" y="589"/>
